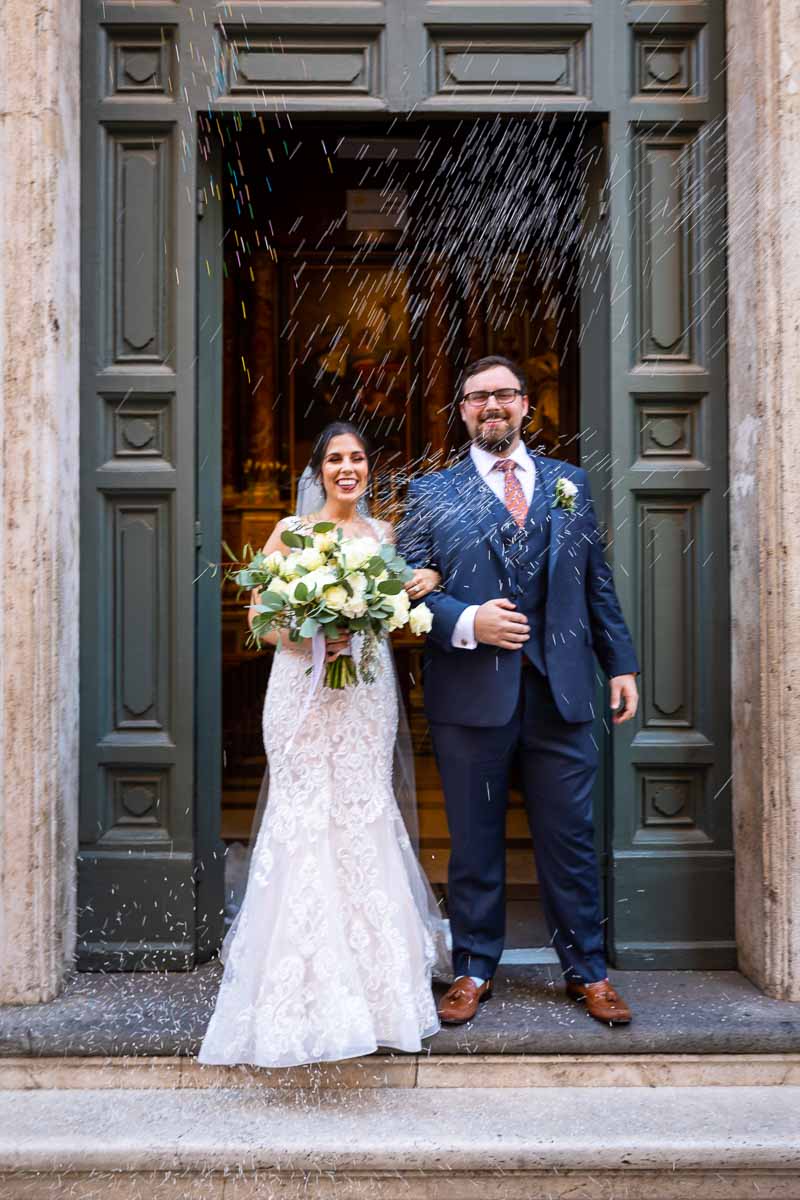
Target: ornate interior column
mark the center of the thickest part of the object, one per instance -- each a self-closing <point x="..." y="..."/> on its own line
<point x="39" y="339"/>
<point x="763" y="74"/>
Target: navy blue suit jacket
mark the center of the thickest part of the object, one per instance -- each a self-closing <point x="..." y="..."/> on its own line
<point x="453" y="522"/>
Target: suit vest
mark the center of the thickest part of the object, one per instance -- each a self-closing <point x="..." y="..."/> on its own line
<point x="526" y="553"/>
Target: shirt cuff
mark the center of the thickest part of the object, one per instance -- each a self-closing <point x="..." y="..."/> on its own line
<point x="464" y="632"/>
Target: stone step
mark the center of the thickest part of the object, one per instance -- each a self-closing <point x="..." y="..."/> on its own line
<point x="665" y="1143"/>
<point x="472" y="1071"/>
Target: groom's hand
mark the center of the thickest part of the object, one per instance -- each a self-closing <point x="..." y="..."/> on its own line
<point x="497" y="623"/>
<point x="624" y="698"/>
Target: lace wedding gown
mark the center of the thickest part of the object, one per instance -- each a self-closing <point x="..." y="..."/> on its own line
<point x="334" y="946"/>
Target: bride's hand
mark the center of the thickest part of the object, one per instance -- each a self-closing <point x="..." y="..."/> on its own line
<point x="336" y="646"/>
<point x="423" y="582"/>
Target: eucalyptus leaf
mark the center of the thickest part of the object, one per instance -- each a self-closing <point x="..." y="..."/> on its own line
<point x="301" y="593"/>
<point x="390" y="587"/>
<point x="272" y="601"/>
<point x="293" y="540"/>
<point x="375" y="566"/>
<point x="387" y="553"/>
<point x="309" y="627"/>
<point x="324" y="527"/>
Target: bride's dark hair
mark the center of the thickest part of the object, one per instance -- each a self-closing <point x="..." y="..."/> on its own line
<point x="336" y="429"/>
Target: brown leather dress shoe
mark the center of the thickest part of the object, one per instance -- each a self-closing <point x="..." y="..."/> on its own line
<point x="460" y="1002"/>
<point x="603" y="1002"/>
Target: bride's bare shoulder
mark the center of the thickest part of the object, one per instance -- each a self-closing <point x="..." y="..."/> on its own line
<point x="274" y="541"/>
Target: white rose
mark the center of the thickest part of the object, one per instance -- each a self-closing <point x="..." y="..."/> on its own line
<point x="356" y="606"/>
<point x="289" y="566"/>
<point x="357" y="551"/>
<point x="420" y="620"/>
<point x="274" y="562"/>
<point x="324" y="542"/>
<point x="568" y="487"/>
<point x="310" y="558"/>
<point x="335" y="597"/>
<point x="316" y="581"/>
<point x="400" y="609"/>
<point x="358" y="582"/>
<point x="279" y="586"/>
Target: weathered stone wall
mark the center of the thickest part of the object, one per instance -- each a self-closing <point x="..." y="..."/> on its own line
<point x="39" y="342"/>
<point x="764" y="305"/>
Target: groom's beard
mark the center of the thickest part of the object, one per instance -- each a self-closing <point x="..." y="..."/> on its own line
<point x="499" y="438"/>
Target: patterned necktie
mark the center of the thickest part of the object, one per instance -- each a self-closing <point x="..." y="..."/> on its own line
<point x="515" y="500"/>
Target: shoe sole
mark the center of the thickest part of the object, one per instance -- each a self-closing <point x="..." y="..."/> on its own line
<point x="466" y="1020"/>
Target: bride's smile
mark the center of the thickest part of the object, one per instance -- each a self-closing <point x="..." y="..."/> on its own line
<point x="345" y="469"/>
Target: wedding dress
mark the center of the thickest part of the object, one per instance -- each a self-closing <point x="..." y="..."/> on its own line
<point x="332" y="952"/>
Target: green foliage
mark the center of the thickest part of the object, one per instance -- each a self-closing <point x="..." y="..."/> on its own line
<point x="271" y="602"/>
<point x="308" y="614"/>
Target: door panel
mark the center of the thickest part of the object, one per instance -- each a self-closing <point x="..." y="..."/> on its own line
<point x="672" y="860"/>
<point x="136" y="903"/>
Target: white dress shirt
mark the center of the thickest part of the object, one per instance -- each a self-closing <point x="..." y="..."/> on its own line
<point x="464" y="632"/>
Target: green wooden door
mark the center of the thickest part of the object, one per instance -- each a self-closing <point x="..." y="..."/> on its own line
<point x="137" y="897"/>
<point x="649" y="81"/>
<point x="671" y="901"/>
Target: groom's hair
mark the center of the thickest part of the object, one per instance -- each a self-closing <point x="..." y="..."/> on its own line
<point x="483" y="364"/>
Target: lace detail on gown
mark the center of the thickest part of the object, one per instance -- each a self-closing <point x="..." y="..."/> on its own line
<point x="332" y="953"/>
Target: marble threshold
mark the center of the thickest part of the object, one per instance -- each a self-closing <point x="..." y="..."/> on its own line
<point x="516" y="1143"/>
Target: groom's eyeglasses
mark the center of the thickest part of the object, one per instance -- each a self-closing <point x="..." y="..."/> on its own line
<point x="479" y="399"/>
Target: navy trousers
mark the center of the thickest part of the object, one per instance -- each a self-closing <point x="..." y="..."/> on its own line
<point x="558" y="762"/>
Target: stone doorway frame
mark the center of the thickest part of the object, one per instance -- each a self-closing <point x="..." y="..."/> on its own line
<point x="39" y="339"/>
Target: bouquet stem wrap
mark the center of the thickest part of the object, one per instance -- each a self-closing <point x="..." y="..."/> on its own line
<point x="341" y="672"/>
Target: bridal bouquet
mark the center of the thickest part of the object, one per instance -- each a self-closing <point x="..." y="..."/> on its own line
<point x="328" y="586"/>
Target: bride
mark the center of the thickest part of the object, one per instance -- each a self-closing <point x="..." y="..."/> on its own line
<point x="332" y="952"/>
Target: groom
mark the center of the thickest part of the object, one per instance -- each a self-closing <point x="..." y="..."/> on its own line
<point x="527" y="602"/>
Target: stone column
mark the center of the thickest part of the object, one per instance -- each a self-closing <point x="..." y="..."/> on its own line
<point x="763" y="127"/>
<point x="39" y="342"/>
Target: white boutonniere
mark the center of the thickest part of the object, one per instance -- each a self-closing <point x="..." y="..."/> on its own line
<point x="566" y="491"/>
